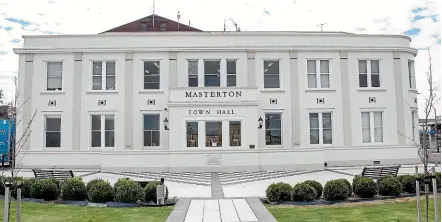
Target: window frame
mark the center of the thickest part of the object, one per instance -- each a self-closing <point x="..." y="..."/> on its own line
<point x="143" y="61"/>
<point x="46" y="64"/>
<point x="321" y="127"/>
<point x="281" y="129"/>
<point x="205" y="133"/>
<point x="211" y="74"/>
<point x="369" y="73"/>
<point x="231" y="74"/>
<point x="193" y="74"/>
<point x="318" y="73"/>
<point x="411" y="74"/>
<point x="102" y="130"/>
<point x="103" y="76"/>
<point x="372" y="126"/>
<point x="231" y="134"/>
<point x="279" y="60"/>
<point x="197" y="133"/>
<point x="143" y="130"/>
<point x="413" y="124"/>
<point x="45" y="116"/>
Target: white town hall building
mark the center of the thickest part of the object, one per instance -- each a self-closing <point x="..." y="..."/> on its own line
<point x="191" y="101"/>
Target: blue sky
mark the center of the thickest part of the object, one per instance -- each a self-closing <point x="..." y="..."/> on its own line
<point x="419" y="19"/>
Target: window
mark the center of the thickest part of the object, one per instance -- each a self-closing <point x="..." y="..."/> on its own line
<point x="103" y="130"/>
<point x="152" y="75"/>
<point x="103" y="74"/>
<point x="214" y="137"/>
<point x="192" y="134"/>
<point x="231" y="72"/>
<point x="271" y="74"/>
<point x="321" y="128"/>
<point x="369" y="73"/>
<point x="273" y="128"/>
<point x="192" y="72"/>
<point x="54" y="73"/>
<point x="413" y="124"/>
<point x="212" y="73"/>
<point x="162" y="26"/>
<point x="151" y="129"/>
<point x="235" y="133"/>
<point x="318" y="73"/>
<point x="52" y="130"/>
<point x="372" y="127"/>
<point x="143" y="26"/>
<point x="411" y="74"/>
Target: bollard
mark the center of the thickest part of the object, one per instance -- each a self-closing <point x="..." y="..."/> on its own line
<point x="436" y="211"/>
<point x="418" y="196"/>
<point x="7" y="200"/>
<point x="18" y="187"/>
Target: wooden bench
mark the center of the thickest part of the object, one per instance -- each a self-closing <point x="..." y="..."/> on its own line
<point x="59" y="175"/>
<point x="380" y="171"/>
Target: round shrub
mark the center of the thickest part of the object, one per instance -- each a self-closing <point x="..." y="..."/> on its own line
<point x="390" y="186"/>
<point x="336" y="190"/>
<point x="26" y="187"/>
<point x="73" y="189"/>
<point x="285" y="190"/>
<point x="44" y="189"/>
<point x="150" y="191"/>
<point x="365" y="187"/>
<point x="91" y="183"/>
<point x="129" y="191"/>
<point x="272" y="192"/>
<point x="120" y="182"/>
<point x="100" y="191"/>
<point x="408" y="183"/>
<point x="348" y="184"/>
<point x="318" y="187"/>
<point x="279" y="191"/>
<point x="304" y="192"/>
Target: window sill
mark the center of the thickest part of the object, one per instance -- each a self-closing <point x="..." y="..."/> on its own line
<point x="151" y="91"/>
<point x="273" y="146"/>
<point x="272" y="90"/>
<point x="371" y="90"/>
<point x="102" y="92"/>
<point x="320" y="90"/>
<point x="413" y="91"/>
<point x="102" y="148"/>
<point x="151" y="148"/>
<point x="52" y="93"/>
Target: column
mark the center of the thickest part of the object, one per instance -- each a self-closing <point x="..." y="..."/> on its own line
<point x="346" y="110"/>
<point x="294" y="83"/>
<point x="251" y="75"/>
<point x="25" y="100"/>
<point x="76" y="101"/>
<point x="173" y="72"/>
<point x="399" y="97"/>
<point x="128" y="101"/>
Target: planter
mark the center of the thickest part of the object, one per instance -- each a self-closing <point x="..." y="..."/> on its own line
<point x="118" y="204"/>
<point x="75" y="202"/>
<point x="90" y="204"/>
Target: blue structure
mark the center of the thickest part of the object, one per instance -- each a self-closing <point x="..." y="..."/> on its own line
<point x="7" y="132"/>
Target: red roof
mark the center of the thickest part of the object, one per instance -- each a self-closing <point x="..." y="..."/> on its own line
<point x="161" y="24"/>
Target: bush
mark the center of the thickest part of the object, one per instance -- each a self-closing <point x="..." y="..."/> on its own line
<point x="150" y="191"/>
<point x="120" y="182"/>
<point x="336" y="190"/>
<point x="408" y="183"/>
<point x="390" y="186"/>
<point x="44" y="189"/>
<point x="348" y="184"/>
<point x="128" y="191"/>
<point x="279" y="191"/>
<point x="272" y="192"/>
<point x="304" y="192"/>
<point x="99" y="191"/>
<point x="365" y="187"/>
<point x="73" y="189"/>
<point x="318" y="187"/>
<point x="26" y="187"/>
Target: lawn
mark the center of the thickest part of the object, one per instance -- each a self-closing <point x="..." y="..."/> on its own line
<point x="33" y="212"/>
<point x="402" y="210"/>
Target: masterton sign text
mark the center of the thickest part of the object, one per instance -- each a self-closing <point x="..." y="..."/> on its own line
<point x="210" y="94"/>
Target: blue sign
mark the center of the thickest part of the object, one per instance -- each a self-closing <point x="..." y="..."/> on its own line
<point x="7" y="130"/>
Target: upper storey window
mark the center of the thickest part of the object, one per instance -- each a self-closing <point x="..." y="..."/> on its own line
<point x="103" y="75"/>
<point x="192" y="72"/>
<point x="271" y="74"/>
<point x="212" y="73"/>
<point x="369" y="73"/>
<point x="411" y="78"/>
<point x="231" y="72"/>
<point x="318" y="73"/>
<point x="54" y="76"/>
<point x="152" y="75"/>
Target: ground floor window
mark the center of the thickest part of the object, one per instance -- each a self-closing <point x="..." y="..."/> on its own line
<point x="192" y="134"/>
<point x="103" y="130"/>
<point x="321" y="128"/>
<point x="235" y="133"/>
<point x="214" y="134"/>
<point x="273" y="129"/>
<point x="52" y="130"/>
<point x="372" y="127"/>
<point x="151" y="129"/>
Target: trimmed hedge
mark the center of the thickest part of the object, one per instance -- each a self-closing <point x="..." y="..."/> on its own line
<point x="348" y="184"/>
<point x="100" y="191"/>
<point x="408" y="183"/>
<point x="120" y="182"/>
<point x="73" y="189"/>
<point x="26" y="187"/>
<point x="318" y="187"/>
<point x="365" y="187"/>
<point x="389" y="186"/>
<point x="150" y="191"/>
<point x="44" y="189"/>
<point x="128" y="191"/>
<point x="304" y="192"/>
<point x="336" y="190"/>
<point x="279" y="191"/>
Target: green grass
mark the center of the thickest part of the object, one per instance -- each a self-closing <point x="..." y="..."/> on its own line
<point x="399" y="210"/>
<point x="36" y="212"/>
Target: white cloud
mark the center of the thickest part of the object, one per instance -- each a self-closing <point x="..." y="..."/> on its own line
<point x="94" y="16"/>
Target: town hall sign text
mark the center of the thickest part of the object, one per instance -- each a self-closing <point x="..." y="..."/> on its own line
<point x="213" y="94"/>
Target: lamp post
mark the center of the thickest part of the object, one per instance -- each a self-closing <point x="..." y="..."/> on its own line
<point x="260" y="121"/>
<point x="166" y="124"/>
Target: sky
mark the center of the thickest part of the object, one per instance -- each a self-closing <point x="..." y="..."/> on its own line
<point x="418" y="19"/>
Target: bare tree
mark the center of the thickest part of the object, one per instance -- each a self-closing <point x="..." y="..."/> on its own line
<point x="16" y="143"/>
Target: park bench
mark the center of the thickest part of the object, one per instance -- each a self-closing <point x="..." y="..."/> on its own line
<point x="59" y="175"/>
<point x="376" y="172"/>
